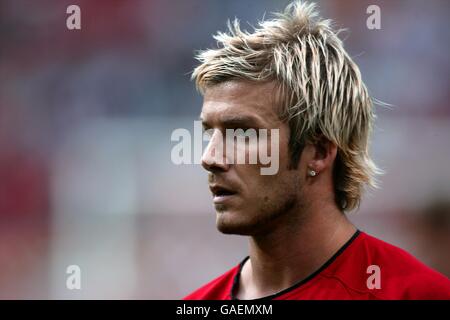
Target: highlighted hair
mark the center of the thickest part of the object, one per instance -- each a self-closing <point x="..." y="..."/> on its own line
<point x="320" y="90"/>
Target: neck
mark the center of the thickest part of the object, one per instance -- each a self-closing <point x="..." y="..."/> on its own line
<point x="293" y="250"/>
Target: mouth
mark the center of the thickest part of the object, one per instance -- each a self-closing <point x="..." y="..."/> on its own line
<point x="221" y="194"/>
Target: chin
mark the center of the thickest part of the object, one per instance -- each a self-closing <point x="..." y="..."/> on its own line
<point x="231" y="223"/>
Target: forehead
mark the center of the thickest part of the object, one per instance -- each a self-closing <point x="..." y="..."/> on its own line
<point x="240" y="98"/>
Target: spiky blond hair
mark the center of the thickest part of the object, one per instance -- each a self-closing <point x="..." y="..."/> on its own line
<point x="320" y="88"/>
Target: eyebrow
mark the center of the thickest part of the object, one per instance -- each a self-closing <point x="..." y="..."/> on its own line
<point x="236" y="121"/>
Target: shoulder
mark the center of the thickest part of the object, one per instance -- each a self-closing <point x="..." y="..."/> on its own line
<point x="217" y="289"/>
<point x="393" y="272"/>
<point x="413" y="278"/>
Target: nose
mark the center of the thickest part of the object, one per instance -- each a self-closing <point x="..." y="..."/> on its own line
<point x="214" y="157"/>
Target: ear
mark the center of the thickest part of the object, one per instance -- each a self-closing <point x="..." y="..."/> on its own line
<point x="324" y="154"/>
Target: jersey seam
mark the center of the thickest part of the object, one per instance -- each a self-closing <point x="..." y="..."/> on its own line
<point x="347" y="287"/>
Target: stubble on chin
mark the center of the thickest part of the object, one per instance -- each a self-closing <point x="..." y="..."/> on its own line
<point x="270" y="217"/>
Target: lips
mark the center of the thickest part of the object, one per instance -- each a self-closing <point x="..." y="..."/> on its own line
<point x="221" y="193"/>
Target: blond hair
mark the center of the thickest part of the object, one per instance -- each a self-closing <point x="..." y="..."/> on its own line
<point x="320" y="88"/>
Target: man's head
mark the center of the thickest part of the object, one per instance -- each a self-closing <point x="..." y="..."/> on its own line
<point x="292" y="74"/>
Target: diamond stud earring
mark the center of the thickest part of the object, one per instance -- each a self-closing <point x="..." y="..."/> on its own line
<point x="312" y="173"/>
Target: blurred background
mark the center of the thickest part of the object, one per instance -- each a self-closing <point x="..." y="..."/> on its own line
<point x="85" y="122"/>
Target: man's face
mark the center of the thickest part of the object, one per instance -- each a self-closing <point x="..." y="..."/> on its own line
<point x="246" y="201"/>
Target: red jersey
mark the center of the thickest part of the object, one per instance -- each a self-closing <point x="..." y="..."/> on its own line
<point x="364" y="268"/>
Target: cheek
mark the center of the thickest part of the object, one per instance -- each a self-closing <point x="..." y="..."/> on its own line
<point x="263" y="188"/>
<point x="258" y="186"/>
<point x="269" y="147"/>
<point x="284" y="149"/>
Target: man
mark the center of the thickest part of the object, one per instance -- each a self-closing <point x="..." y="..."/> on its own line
<point x="293" y="74"/>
